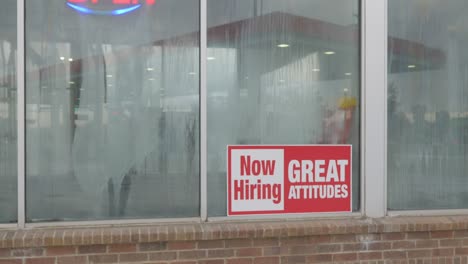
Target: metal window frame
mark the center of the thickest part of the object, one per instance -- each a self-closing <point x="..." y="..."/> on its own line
<point x="203" y="111"/>
<point x="374" y="82"/>
<point x="373" y="28"/>
<point x="21" y="114"/>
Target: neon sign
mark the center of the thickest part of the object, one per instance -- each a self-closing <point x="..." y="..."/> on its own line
<point x="109" y="7"/>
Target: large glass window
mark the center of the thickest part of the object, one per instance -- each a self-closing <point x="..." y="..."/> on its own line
<point x="427" y="104"/>
<point x="281" y="72"/>
<point x="112" y="109"/>
<point x="8" y="131"/>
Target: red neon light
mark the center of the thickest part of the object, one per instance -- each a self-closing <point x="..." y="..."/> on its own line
<point x="116" y="2"/>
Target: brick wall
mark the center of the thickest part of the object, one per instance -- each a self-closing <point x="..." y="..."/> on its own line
<point x="390" y="240"/>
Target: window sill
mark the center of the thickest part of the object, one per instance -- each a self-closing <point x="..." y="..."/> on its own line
<point x="148" y="233"/>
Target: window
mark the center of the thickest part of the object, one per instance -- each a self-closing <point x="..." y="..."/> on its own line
<point x="8" y="119"/>
<point x="112" y="111"/>
<point x="281" y="72"/>
<point x="427" y="105"/>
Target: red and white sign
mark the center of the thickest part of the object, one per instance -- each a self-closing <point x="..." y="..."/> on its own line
<point x="289" y="179"/>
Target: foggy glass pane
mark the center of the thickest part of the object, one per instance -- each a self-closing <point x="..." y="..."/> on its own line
<point x="281" y="72"/>
<point x="112" y="111"/>
<point x="427" y="104"/>
<point x="8" y="120"/>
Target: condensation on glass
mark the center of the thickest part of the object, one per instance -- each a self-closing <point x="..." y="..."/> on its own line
<point x="112" y="112"/>
<point x="427" y="105"/>
<point x="281" y="72"/>
<point x="8" y="118"/>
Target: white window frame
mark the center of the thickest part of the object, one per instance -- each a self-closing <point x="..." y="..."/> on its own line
<point x="373" y="123"/>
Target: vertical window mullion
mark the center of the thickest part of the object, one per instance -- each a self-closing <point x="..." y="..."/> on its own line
<point x="21" y="114"/>
<point x="375" y="101"/>
<point x="203" y="111"/>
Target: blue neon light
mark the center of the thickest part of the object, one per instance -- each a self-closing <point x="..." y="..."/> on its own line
<point x="116" y="12"/>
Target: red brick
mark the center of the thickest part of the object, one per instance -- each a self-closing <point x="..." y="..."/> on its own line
<point x="40" y="261"/>
<point x="122" y="248"/>
<point x="442" y="252"/>
<point x="239" y="261"/>
<point x="5" y="252"/>
<point x="87" y="237"/>
<point x="238" y="243"/>
<point x="451" y="242"/>
<point x="319" y="258"/>
<point x="72" y="260"/>
<point x="420" y="253"/>
<point x="164" y="255"/>
<point x="270" y="242"/>
<point x="393" y="236"/>
<point x="211" y="261"/>
<point x="96" y="237"/>
<point x="144" y="235"/>
<point x="461" y="234"/>
<point x="220" y="253"/>
<point x="442" y="234"/>
<point x="343" y="238"/>
<point x="403" y="244"/>
<point x="67" y="237"/>
<point x="427" y="244"/>
<point x="106" y="236"/>
<point x="394" y="254"/>
<point x="271" y="251"/>
<point x="11" y="261"/>
<point x="354" y="247"/>
<point x="344" y="257"/>
<point x="116" y="235"/>
<point x="417" y="235"/>
<point x="103" y="259"/>
<point x="136" y="235"/>
<point x="153" y="246"/>
<point x="77" y="237"/>
<point x="192" y="254"/>
<point x="57" y="239"/>
<point x="181" y="245"/>
<point x="290" y="241"/>
<point x="363" y="238"/>
<point x="461" y="251"/>
<point x="266" y="260"/>
<point x="248" y="252"/>
<point x="326" y="248"/>
<point x="60" y="251"/>
<point x="210" y="244"/>
<point x="133" y="257"/>
<point x="92" y="249"/>
<point x="302" y="250"/>
<point x="379" y="246"/>
<point x="293" y="259"/>
<point x="370" y="255"/>
<point x="27" y="252"/>
<point x="319" y="239"/>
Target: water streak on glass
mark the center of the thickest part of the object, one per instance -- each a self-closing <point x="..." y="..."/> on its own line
<point x="281" y="72"/>
<point x="112" y="112"/>
<point x="8" y="118"/>
<point x="427" y="105"/>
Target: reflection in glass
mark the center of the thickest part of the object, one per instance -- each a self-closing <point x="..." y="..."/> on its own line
<point x="280" y="72"/>
<point x="427" y="105"/>
<point x="8" y="131"/>
<point x="112" y="113"/>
